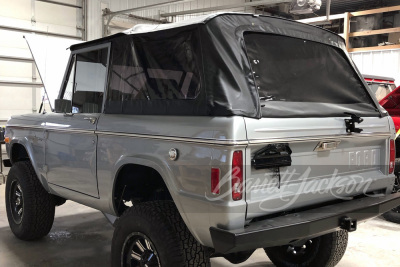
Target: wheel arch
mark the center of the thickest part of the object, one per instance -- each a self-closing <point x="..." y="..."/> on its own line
<point x="21" y="150"/>
<point x="18" y="152"/>
<point x="130" y="169"/>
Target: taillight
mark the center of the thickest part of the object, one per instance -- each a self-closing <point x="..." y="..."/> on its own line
<point x="215" y="181"/>
<point x="237" y="175"/>
<point x="392" y="156"/>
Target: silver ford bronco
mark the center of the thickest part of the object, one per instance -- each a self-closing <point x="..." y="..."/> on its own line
<point x="205" y="138"/>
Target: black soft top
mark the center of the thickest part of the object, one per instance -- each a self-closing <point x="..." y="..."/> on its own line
<point x="199" y="20"/>
<point x="227" y="82"/>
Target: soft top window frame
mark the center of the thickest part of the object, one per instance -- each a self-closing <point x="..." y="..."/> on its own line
<point x="72" y="59"/>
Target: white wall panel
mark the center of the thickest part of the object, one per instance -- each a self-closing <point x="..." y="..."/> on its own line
<point x="59" y="15"/>
<point x="12" y="103"/>
<point x="13" y="44"/>
<point x="19" y="9"/>
<point x="19" y="14"/>
<point x="381" y="63"/>
<point x="8" y="69"/>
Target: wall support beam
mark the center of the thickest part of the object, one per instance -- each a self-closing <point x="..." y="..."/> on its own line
<point x="167" y="3"/>
<point x="346" y="30"/>
<point x="59" y="3"/>
<point x="374" y="48"/>
<point x="214" y="8"/>
<point x="20" y="84"/>
<point x="374" y="32"/>
<point x="16" y="59"/>
<point x="375" y="11"/>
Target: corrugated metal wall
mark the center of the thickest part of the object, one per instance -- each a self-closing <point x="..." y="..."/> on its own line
<point x="95" y="10"/>
<point x="18" y="18"/>
<point x="381" y="63"/>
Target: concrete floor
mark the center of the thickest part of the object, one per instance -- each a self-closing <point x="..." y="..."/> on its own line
<point x="81" y="237"/>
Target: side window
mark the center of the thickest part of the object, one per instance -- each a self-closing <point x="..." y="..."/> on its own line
<point x="90" y="78"/>
<point x="86" y="81"/>
<point x="151" y="70"/>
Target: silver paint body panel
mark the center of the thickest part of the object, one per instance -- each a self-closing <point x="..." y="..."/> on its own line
<point x="79" y="161"/>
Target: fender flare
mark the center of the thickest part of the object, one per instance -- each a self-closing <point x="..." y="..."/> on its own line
<point x="154" y="163"/>
<point x="28" y="148"/>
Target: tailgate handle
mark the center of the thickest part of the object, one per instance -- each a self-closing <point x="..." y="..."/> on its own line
<point x="327" y="145"/>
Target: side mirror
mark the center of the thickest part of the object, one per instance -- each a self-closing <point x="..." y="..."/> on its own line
<point x="62" y="106"/>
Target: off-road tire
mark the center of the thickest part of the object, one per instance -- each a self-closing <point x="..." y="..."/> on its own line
<point x="38" y="205"/>
<point x="327" y="251"/>
<point x="393" y="215"/>
<point x="161" y="222"/>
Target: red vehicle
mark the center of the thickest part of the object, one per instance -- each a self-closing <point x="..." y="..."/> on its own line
<point x="387" y="94"/>
<point x="391" y="102"/>
<point x="389" y="98"/>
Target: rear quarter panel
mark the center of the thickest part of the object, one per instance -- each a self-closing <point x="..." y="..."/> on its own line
<point x="146" y="140"/>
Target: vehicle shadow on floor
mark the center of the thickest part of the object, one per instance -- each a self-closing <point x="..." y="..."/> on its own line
<point x="78" y="240"/>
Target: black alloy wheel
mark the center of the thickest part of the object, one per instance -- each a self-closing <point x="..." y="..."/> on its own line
<point x="16" y="202"/>
<point x="139" y="251"/>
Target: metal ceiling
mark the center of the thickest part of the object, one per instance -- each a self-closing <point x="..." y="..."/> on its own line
<point x="342" y="6"/>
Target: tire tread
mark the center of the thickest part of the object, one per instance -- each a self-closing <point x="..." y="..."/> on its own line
<point x="39" y="208"/>
<point x="183" y="248"/>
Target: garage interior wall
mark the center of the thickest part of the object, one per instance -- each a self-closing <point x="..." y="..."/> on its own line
<point x="381" y="63"/>
<point x="21" y="17"/>
<point x="39" y="15"/>
<point x="95" y="8"/>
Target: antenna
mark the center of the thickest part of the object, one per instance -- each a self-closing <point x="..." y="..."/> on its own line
<point x="45" y="75"/>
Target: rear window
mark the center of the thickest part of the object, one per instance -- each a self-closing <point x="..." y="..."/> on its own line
<point x="301" y="78"/>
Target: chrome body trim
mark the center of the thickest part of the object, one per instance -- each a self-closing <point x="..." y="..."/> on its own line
<point x="34" y="127"/>
<point x="179" y="139"/>
<point x="52" y="129"/>
<point x="69" y="130"/>
<point x="210" y="141"/>
<point x="317" y="138"/>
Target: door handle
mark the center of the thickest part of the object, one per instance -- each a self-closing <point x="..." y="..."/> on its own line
<point x="92" y="120"/>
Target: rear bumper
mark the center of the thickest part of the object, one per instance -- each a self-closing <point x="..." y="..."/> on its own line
<point x="293" y="227"/>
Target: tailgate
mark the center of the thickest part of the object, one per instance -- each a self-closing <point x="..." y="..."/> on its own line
<point x="350" y="164"/>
